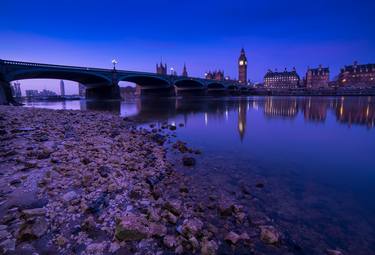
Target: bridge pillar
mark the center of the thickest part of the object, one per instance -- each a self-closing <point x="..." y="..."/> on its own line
<point x="104" y="92"/>
<point x="6" y="96"/>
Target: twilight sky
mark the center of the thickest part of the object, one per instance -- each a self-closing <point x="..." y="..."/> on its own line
<point x="203" y="34"/>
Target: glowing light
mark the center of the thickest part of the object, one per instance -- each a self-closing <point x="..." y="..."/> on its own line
<point x="205" y="118"/>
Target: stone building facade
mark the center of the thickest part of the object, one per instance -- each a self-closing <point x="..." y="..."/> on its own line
<point x="357" y="75"/>
<point x="282" y="80"/>
<point x="317" y="77"/>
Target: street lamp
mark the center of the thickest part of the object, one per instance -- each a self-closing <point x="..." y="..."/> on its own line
<point x="172" y="70"/>
<point x="114" y="62"/>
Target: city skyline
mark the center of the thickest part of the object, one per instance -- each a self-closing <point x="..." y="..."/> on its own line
<point x="274" y="35"/>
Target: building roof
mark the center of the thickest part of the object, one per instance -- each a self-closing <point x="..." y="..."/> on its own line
<point x="271" y="74"/>
<point x="319" y="70"/>
<point x="358" y="68"/>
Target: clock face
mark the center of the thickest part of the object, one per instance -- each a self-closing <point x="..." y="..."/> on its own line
<point x="241" y="63"/>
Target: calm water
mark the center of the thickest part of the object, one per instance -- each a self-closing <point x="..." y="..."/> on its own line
<point x="316" y="157"/>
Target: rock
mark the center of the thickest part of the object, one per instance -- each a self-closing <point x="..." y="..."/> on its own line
<point x="194" y="243"/>
<point x="181" y="146"/>
<point x="172" y="127"/>
<point x="33" y="229"/>
<point x="154" y="180"/>
<point x="43" y="154"/>
<point x="188" y="161"/>
<point x="96" y="248"/>
<point x="191" y="227"/>
<point x="114" y="247"/>
<point x="89" y="224"/>
<point x="99" y="203"/>
<point x="29" y="164"/>
<point x="158" y="230"/>
<point x="269" y="234"/>
<point x="171" y="218"/>
<point x="174" y="206"/>
<point x="4" y="234"/>
<point x="170" y="241"/>
<point x="184" y="189"/>
<point x="159" y="139"/>
<point x="30" y="213"/>
<point x="244" y="236"/>
<point x="225" y="208"/>
<point x="179" y="249"/>
<point x="333" y="252"/>
<point x="104" y="171"/>
<point x="61" y="241"/>
<point x="131" y="228"/>
<point x="8" y="245"/>
<point x="209" y="247"/>
<point x="69" y="196"/>
<point x="232" y="237"/>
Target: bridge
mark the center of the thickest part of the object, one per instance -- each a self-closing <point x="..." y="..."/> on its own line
<point x="103" y="83"/>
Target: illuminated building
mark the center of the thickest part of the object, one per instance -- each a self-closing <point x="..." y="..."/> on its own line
<point x="282" y="80"/>
<point x="357" y="75"/>
<point x="242" y="68"/>
<point x="317" y="77"/>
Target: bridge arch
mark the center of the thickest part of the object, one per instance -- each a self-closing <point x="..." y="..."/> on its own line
<point x="189" y="84"/>
<point x="87" y="78"/>
<point x="146" y="81"/>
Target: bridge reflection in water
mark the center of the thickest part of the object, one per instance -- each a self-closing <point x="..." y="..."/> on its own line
<point x="343" y="110"/>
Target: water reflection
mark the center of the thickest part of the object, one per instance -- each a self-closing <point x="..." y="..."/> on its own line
<point x="347" y="110"/>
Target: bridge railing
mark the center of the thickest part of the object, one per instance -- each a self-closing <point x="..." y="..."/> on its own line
<point x="12" y="62"/>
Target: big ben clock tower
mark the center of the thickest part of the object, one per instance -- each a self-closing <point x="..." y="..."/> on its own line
<point x="242" y="68"/>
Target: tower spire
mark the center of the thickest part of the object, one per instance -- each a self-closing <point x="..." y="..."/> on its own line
<point x="184" y="72"/>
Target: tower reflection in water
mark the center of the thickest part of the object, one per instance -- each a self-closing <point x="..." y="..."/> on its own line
<point x="346" y="110"/>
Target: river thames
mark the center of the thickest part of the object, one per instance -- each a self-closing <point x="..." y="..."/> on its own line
<point x="310" y="159"/>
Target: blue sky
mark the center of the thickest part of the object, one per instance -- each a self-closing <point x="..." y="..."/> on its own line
<point x="203" y="34"/>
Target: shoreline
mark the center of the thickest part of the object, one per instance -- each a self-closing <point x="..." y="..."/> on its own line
<point x="88" y="182"/>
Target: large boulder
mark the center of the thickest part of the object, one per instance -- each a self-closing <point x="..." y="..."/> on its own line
<point x="191" y="227"/>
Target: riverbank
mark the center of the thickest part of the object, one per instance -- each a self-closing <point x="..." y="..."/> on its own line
<point x="84" y="182"/>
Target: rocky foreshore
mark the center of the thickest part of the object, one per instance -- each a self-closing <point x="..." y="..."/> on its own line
<point x="81" y="182"/>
